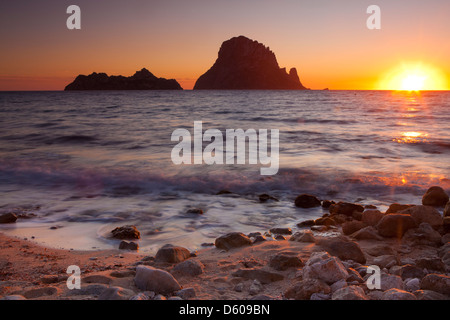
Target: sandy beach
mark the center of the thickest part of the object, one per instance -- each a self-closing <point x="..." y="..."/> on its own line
<point x="328" y="258"/>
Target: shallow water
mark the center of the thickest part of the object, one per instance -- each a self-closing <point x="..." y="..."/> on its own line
<point x="95" y="160"/>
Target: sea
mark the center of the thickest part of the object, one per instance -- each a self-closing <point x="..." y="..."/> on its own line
<point x="75" y="165"/>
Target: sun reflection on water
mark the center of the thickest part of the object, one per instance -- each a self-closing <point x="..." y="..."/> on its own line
<point x="411" y="137"/>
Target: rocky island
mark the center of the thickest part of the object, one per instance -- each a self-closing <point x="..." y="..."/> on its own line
<point x="245" y="64"/>
<point x="141" y="80"/>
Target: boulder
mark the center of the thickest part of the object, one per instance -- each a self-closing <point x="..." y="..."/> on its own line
<point x="395" y="225"/>
<point x="423" y="235"/>
<point x="429" y="295"/>
<point x="307" y="201"/>
<point x="40" y="292"/>
<point x="317" y="296"/>
<point x="245" y="64"/>
<point x="255" y="288"/>
<point x="354" y="276"/>
<point x="141" y="296"/>
<point x="327" y="203"/>
<point x="304" y="289"/>
<point x="283" y="261"/>
<point x="385" y="261"/>
<point x="324" y="267"/>
<point x="447" y="210"/>
<point x="436" y="282"/>
<point x="371" y="217"/>
<point x="338" y="285"/>
<point x="124" y="245"/>
<point x="412" y="285"/>
<point x="159" y="281"/>
<point x="431" y="264"/>
<point x="343" y="248"/>
<point x="116" y="293"/>
<point x="8" y="218"/>
<point x="408" y="271"/>
<point x="390" y="281"/>
<point x="325" y="221"/>
<point x="367" y="233"/>
<point x="232" y="240"/>
<point x="352" y="226"/>
<point x="258" y="238"/>
<point x="349" y="293"/>
<point x="261" y="275"/>
<point x="435" y="196"/>
<point x="319" y="228"/>
<point x="306" y="236"/>
<point x="189" y="268"/>
<point x="380" y="249"/>
<point x="172" y="254"/>
<point x="446" y="224"/>
<point x="97" y="278"/>
<point x="266" y="197"/>
<point x="186" y="294"/>
<point x="396" y="207"/>
<point x="281" y="231"/>
<point x="126" y="232"/>
<point x="306" y="223"/>
<point x="345" y="208"/>
<point x="90" y="290"/>
<point x="396" y="294"/>
<point x="426" y="214"/>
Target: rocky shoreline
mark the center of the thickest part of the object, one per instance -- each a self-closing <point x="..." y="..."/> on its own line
<point x="334" y="257"/>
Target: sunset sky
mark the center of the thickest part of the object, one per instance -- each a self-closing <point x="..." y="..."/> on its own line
<point x="326" y="40"/>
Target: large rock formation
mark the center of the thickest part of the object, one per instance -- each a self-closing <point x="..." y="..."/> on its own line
<point x="246" y="64"/>
<point x="141" y="80"/>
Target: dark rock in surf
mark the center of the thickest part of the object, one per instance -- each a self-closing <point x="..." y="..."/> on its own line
<point x="124" y="245"/>
<point x="126" y="232"/>
<point x="307" y="201"/>
<point x="265" y="197"/>
<point x="281" y="231"/>
<point x="435" y="196"/>
<point x="346" y="208"/>
<point x="326" y="204"/>
<point x="194" y="211"/>
<point x="8" y="218"/>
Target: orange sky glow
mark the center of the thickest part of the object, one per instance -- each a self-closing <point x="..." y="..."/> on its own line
<point x="327" y="41"/>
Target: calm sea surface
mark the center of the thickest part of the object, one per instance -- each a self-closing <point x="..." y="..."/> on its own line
<point x="89" y="161"/>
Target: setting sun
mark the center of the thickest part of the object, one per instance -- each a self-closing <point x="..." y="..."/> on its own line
<point x="413" y="83"/>
<point x="414" y="77"/>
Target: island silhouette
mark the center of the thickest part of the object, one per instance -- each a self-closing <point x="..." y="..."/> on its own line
<point x="242" y="64"/>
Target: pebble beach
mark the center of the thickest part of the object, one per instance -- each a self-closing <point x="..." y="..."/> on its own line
<point x="323" y="259"/>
